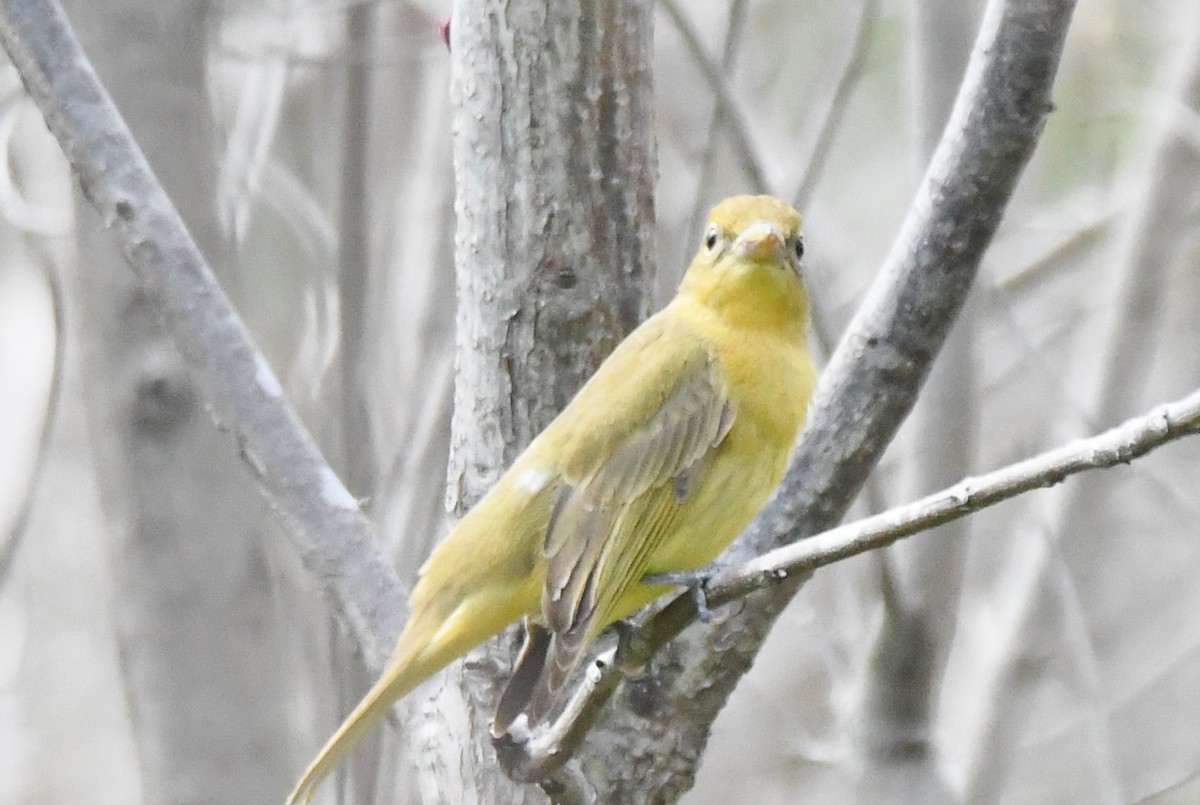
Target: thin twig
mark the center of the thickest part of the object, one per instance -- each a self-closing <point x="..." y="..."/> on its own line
<point x="889" y="725"/>
<point x="873" y="378"/>
<point x="716" y="121"/>
<point x="354" y="264"/>
<point x="1160" y="206"/>
<point x="333" y="538"/>
<point x="740" y="131"/>
<point x="852" y="72"/>
<point x="1120" y="445"/>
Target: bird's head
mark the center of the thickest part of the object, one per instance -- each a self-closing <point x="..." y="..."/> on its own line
<point x="748" y="266"/>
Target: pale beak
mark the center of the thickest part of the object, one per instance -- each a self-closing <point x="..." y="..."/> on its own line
<point x="761" y="240"/>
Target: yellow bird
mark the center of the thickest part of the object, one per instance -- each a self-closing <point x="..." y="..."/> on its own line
<point x="655" y="466"/>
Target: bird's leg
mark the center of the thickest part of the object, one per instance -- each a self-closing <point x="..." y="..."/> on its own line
<point x="696" y="582"/>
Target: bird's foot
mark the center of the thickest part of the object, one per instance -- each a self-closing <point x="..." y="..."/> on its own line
<point x="696" y="582"/>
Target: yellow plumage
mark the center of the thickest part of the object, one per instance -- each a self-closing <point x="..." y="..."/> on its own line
<point x="655" y="465"/>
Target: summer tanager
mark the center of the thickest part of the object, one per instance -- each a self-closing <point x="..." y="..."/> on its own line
<point x="655" y="466"/>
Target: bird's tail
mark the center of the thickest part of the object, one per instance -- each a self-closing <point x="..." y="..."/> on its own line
<point x="536" y="685"/>
<point x="431" y="640"/>
<point x="404" y="675"/>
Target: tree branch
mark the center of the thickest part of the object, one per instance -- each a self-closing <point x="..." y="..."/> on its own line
<point x="716" y="121"/>
<point x="1159" y="207"/>
<point x="329" y="531"/>
<point x="873" y="377"/>
<point x="889" y="726"/>
<point x="866" y="392"/>
<point x="355" y="283"/>
<point x="835" y="110"/>
<point x="1119" y="445"/>
<point x="554" y="170"/>
<point x="741" y="133"/>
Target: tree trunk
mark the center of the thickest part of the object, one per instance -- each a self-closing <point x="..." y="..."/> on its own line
<point x="554" y="163"/>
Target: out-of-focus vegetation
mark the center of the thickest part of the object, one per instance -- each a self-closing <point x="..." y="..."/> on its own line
<point x="1063" y="654"/>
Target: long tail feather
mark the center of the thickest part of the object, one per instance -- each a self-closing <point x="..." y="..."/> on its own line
<point x="432" y="639"/>
<point x="405" y="675"/>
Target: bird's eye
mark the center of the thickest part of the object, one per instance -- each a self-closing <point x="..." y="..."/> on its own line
<point x="710" y="238"/>
<point x="799" y="247"/>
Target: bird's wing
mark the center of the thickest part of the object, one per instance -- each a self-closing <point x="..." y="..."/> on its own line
<point x="617" y="502"/>
<point x="625" y="473"/>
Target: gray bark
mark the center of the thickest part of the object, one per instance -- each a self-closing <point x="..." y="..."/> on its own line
<point x="356" y="444"/>
<point x="554" y="164"/>
<point x="555" y="170"/>
<point x="866" y="391"/>
<point x="199" y="639"/>
<point x="874" y="376"/>
<point x="235" y="377"/>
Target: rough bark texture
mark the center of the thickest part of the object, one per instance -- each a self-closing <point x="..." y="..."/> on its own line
<point x="554" y="163"/>
<point x="555" y="170"/>
<point x="198" y="634"/>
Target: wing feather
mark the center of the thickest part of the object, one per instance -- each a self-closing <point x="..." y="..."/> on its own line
<point x="618" y="501"/>
<point x="599" y="515"/>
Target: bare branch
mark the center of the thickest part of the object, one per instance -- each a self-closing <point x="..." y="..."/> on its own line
<point x="1120" y="445"/>
<point x="553" y="257"/>
<point x="868" y="390"/>
<point x="890" y="723"/>
<point x="873" y="377"/>
<point x="1160" y="205"/>
<point x="733" y="37"/>
<point x="329" y="530"/>
<point x="354" y="265"/>
<point x="852" y="71"/>
<point x="741" y="133"/>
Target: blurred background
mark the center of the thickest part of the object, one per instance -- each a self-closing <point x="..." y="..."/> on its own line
<point x="151" y="612"/>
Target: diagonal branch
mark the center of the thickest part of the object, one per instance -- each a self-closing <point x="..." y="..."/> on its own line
<point x="869" y="387"/>
<point x="741" y="133"/>
<point x="851" y="73"/>
<point x="1119" y="445"/>
<point x="327" y="527"/>
<point x="716" y="121"/>
<point x="1160" y="205"/>
<point x="1116" y="446"/>
<point x="873" y="377"/>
